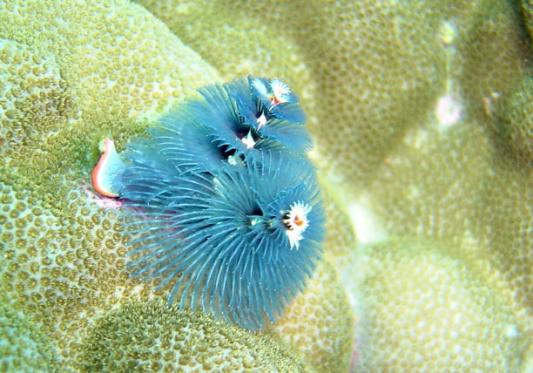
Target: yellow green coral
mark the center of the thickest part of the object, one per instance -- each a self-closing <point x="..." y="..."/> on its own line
<point x="420" y="113"/>
<point x="319" y="323"/>
<point x="63" y="255"/>
<point x="422" y="309"/>
<point x="527" y="11"/>
<point x="23" y="348"/>
<point x="356" y="53"/>
<point x="340" y="240"/>
<point x="34" y="96"/>
<point x="153" y="337"/>
<point x="459" y="192"/>
<point x="118" y="60"/>
<point x="514" y="122"/>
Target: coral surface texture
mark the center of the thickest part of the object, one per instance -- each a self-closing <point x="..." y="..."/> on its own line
<point x="420" y="116"/>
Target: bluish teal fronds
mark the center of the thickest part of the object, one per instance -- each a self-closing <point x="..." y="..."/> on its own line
<point x="223" y="243"/>
<point x="224" y="213"/>
<point x="203" y="133"/>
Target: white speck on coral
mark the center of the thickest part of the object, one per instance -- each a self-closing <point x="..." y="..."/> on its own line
<point x="366" y="224"/>
<point x="447" y="32"/>
<point x="469" y="241"/>
<point x="416" y="138"/>
<point x="183" y="9"/>
<point x="414" y="192"/>
<point x="405" y="86"/>
<point x="448" y="111"/>
<point x="454" y="305"/>
<point x="245" y="65"/>
<point x="511" y="331"/>
<point x="137" y="289"/>
<point x="119" y="291"/>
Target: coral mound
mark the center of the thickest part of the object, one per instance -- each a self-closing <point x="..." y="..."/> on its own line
<point x="514" y="118"/>
<point x="319" y="322"/>
<point x="153" y="337"/>
<point x="421" y="309"/>
<point x="35" y="99"/>
<point x="23" y="348"/>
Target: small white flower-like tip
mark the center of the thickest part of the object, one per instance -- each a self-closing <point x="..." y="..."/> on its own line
<point x="261" y="121"/>
<point x="248" y="140"/>
<point x="296" y="222"/>
<point x="105" y="170"/>
<point x="232" y="160"/>
<point x="280" y="92"/>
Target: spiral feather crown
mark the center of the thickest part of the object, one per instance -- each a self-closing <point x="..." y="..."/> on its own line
<point x="221" y="204"/>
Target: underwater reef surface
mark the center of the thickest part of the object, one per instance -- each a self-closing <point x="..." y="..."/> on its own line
<point x="422" y="120"/>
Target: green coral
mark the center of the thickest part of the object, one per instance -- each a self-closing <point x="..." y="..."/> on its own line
<point x="23" y="348"/>
<point x="527" y="11"/>
<point x="34" y="96"/>
<point x="461" y="194"/>
<point x="514" y="121"/>
<point x="340" y="240"/>
<point x="75" y="72"/>
<point x="120" y="66"/>
<point x="119" y="61"/>
<point x="319" y="323"/>
<point x="421" y="115"/>
<point x="144" y="337"/>
<point x="423" y="309"/>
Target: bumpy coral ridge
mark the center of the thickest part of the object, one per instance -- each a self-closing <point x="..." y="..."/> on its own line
<point x="23" y="348"/>
<point x="153" y="337"/>
<point x="75" y="73"/>
<point x="514" y="121"/>
<point x="340" y="239"/>
<point x="124" y="63"/>
<point x="33" y="95"/>
<point x="319" y="323"/>
<point x="424" y="310"/>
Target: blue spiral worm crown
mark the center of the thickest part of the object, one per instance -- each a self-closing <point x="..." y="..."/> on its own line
<point x="222" y="204"/>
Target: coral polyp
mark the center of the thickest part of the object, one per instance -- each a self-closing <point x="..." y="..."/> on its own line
<point x="230" y="227"/>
